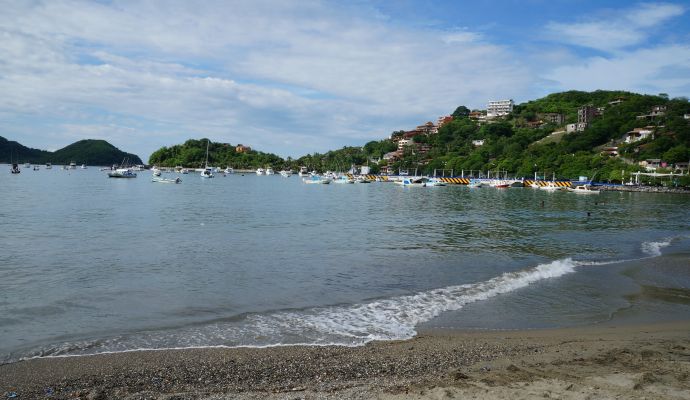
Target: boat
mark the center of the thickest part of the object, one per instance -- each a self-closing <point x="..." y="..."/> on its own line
<point x="499" y="183"/>
<point x="83" y="166"/>
<point x="586" y="189"/>
<point x="270" y="171"/>
<point x="474" y="183"/>
<point x="315" y="179"/>
<point x="184" y="171"/>
<point x="49" y="166"/>
<point x="122" y="173"/>
<point x="413" y="181"/>
<point x="72" y="165"/>
<point x="550" y="186"/>
<point x="207" y="172"/>
<point x="435" y="182"/>
<point x="156" y="172"/>
<point x="285" y="173"/>
<point x="15" y="169"/>
<point x="260" y="171"/>
<point x="36" y="167"/>
<point x="344" y="179"/>
<point x="303" y="171"/>
<point x="229" y="170"/>
<point x="165" y="180"/>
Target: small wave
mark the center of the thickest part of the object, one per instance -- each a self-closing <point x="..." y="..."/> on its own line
<point x="347" y="325"/>
<point x="653" y="249"/>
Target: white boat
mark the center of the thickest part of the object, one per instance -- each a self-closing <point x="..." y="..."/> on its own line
<point x="550" y="186"/>
<point x="260" y="171"/>
<point x="122" y="173"/>
<point x="362" y="179"/>
<point x="165" y="180"/>
<point x="156" y="172"/>
<point x="413" y="181"/>
<point x="36" y="167"/>
<point x="184" y="171"/>
<point x="285" y="173"/>
<point x="269" y="171"/>
<point x="303" y="171"/>
<point x="474" y="183"/>
<point x="72" y="165"/>
<point x="207" y="172"/>
<point x="344" y="179"/>
<point x="83" y="166"/>
<point x="435" y="182"/>
<point x="315" y="179"/>
<point x="49" y="166"/>
<point x="586" y="189"/>
<point x="229" y="170"/>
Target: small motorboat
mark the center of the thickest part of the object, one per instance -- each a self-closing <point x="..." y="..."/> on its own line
<point x="165" y="180"/>
<point x="413" y="182"/>
<point x="474" y="183"/>
<point x="315" y="179"/>
<point x="122" y="173"/>
<point x="15" y="169"/>
<point x="286" y="173"/>
<point x="550" y="186"/>
<point x="587" y="189"/>
<point x="260" y="171"/>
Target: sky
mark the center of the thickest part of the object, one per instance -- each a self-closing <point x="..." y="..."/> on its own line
<point x="297" y="77"/>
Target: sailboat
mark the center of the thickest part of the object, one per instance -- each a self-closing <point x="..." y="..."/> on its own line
<point x="207" y="172"/>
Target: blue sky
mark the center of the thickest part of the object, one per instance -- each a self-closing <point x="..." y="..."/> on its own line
<point x="298" y="77"/>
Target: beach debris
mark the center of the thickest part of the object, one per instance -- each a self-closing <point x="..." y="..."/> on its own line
<point x="11" y="395"/>
<point x="458" y="375"/>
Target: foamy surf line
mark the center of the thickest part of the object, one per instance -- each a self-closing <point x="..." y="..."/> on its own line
<point x="347" y="325"/>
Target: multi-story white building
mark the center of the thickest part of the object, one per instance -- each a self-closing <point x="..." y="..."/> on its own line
<point x="499" y="108"/>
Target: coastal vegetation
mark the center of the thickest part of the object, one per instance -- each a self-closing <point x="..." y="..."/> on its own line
<point x="89" y="151"/>
<point x="520" y="143"/>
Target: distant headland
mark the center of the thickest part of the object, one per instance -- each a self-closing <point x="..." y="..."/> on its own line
<point x="88" y="151"/>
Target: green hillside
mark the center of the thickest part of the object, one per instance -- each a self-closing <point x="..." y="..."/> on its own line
<point x="192" y="154"/>
<point x="521" y="145"/>
<point x="89" y="151"/>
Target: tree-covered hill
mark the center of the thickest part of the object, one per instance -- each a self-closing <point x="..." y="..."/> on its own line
<point x="513" y="144"/>
<point x="89" y="151"/>
<point x="192" y="154"/>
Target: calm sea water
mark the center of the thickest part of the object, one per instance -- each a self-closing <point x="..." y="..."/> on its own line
<point x="90" y="264"/>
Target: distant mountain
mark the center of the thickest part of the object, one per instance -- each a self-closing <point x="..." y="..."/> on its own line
<point x="88" y="151"/>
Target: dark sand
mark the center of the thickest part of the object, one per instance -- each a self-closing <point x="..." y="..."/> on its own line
<point x="627" y="362"/>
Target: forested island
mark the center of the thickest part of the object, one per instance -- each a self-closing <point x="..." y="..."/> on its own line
<point x="534" y="138"/>
<point x="88" y="151"/>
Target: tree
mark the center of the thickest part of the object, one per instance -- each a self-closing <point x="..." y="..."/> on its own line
<point x="461" y="112"/>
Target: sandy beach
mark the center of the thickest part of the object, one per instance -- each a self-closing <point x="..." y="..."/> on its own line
<point x="605" y="362"/>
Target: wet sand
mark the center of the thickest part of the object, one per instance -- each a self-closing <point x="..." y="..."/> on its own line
<point x="632" y="362"/>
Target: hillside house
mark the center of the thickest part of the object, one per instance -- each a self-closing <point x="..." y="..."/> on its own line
<point x="478" y="143"/>
<point x="638" y="134"/>
<point x="552" y="118"/>
<point x="242" y="149"/>
<point x="657" y="111"/>
<point x="499" y="108"/>
<point x="611" y="151"/>
<point x="651" y="164"/>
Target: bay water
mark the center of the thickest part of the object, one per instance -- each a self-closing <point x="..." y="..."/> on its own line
<point x="90" y="264"/>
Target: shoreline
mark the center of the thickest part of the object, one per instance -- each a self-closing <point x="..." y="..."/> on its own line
<point x="630" y="361"/>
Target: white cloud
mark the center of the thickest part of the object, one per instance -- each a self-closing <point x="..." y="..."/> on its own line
<point x="284" y="77"/>
<point x="644" y="70"/>
<point x="617" y="30"/>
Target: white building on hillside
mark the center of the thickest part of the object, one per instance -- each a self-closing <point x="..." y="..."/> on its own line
<point x="499" y="108"/>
